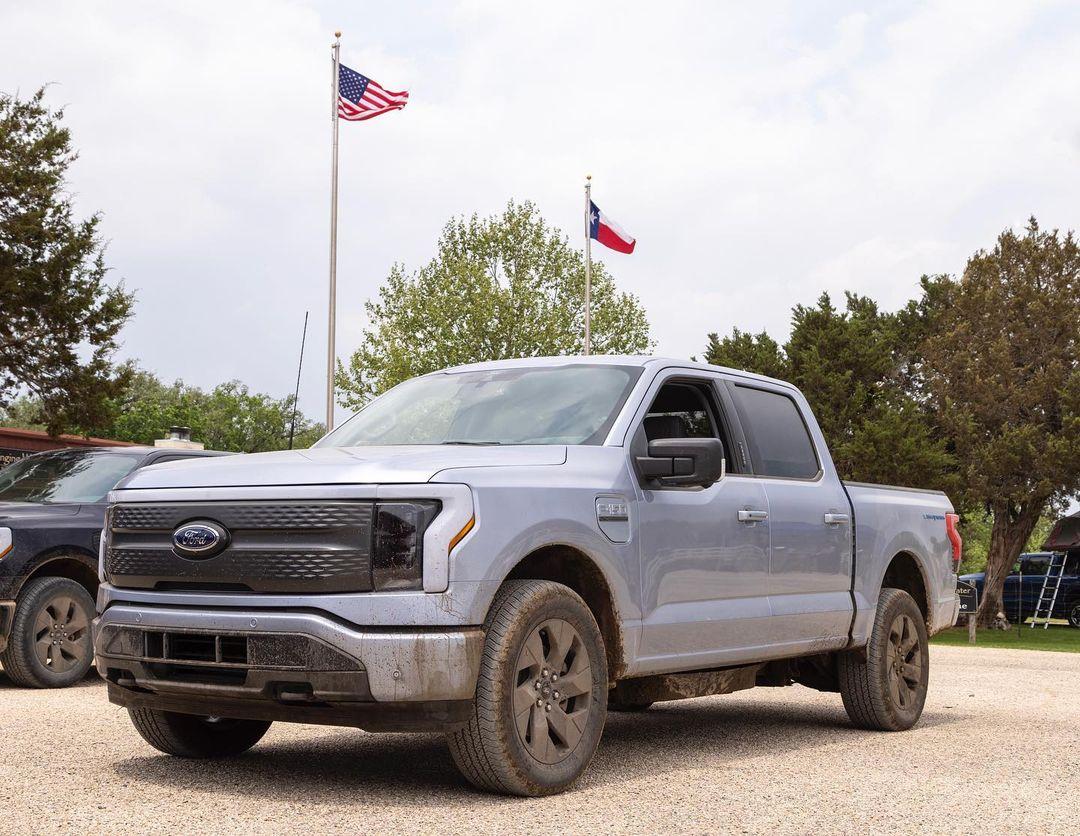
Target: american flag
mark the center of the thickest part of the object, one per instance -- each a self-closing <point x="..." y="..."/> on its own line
<point x="361" y="98"/>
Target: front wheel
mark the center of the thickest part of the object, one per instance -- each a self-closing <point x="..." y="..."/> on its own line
<point x="50" y="643"/>
<point x="886" y="689"/>
<point x="1074" y="616"/>
<point x="541" y="697"/>
<point x="190" y="736"/>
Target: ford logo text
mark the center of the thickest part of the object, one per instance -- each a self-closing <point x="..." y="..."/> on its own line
<point x="199" y="540"/>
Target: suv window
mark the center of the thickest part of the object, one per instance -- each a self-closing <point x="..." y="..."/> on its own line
<point x="779" y="442"/>
<point x="1035" y="565"/>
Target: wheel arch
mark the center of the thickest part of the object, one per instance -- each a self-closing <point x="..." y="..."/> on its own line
<point x="905" y="571"/>
<point x="570" y="566"/>
<point x="69" y="562"/>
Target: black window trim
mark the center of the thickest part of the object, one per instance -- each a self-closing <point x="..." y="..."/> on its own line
<point x="749" y="433"/>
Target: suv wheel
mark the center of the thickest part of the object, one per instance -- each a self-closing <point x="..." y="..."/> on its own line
<point x="541" y="697"/>
<point x="1074" y="616"/>
<point x="50" y="644"/>
<point x="190" y="736"/>
<point x="886" y="690"/>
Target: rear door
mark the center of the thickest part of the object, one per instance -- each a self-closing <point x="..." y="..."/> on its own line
<point x="809" y="518"/>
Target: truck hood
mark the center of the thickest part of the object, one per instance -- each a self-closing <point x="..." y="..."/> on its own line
<point x="12" y="513"/>
<point x="337" y="466"/>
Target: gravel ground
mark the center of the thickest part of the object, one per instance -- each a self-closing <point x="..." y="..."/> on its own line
<point x="771" y="759"/>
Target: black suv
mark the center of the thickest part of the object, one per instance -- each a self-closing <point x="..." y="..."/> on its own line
<point x="52" y="510"/>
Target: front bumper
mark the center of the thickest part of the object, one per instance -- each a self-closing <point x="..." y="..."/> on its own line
<point x="280" y="665"/>
<point x="7" y="616"/>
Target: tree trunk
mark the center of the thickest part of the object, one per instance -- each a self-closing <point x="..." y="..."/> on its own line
<point x="1012" y="528"/>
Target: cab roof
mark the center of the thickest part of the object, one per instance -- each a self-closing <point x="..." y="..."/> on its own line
<point x="636" y="360"/>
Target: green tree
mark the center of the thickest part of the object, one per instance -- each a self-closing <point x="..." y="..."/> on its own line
<point x="1002" y="373"/>
<point x="229" y="417"/>
<point x="59" y="320"/>
<point x="976" y="529"/>
<point x="23" y="413"/>
<point x="854" y="368"/>
<point x="507" y="286"/>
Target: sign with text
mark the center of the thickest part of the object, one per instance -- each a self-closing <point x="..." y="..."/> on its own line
<point x="969" y="597"/>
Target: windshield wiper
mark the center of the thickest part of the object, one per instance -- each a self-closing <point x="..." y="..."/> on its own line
<point x="471" y="443"/>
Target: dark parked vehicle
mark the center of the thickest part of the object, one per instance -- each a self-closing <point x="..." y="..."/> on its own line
<point x="1024" y="585"/>
<point x="52" y="510"/>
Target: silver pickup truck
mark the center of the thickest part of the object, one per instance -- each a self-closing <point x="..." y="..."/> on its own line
<point x="504" y="552"/>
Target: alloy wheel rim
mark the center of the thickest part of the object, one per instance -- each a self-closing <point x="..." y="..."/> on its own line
<point x="905" y="662"/>
<point x="552" y="696"/>
<point x="60" y="630"/>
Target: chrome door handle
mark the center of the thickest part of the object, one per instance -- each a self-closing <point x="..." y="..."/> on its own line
<point x="749" y="515"/>
<point x="836" y="519"/>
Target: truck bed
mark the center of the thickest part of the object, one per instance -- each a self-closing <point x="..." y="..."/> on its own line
<point x="889" y="520"/>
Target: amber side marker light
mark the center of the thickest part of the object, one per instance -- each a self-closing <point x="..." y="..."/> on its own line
<point x="461" y="534"/>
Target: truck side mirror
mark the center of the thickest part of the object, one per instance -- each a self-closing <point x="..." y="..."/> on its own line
<point x="683" y="462"/>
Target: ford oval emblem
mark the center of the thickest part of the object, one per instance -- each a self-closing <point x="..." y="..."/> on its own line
<point x="200" y="540"/>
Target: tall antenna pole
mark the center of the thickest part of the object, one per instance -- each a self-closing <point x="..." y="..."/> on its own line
<point x="330" y="353"/>
<point x="588" y="264"/>
<point x="296" y="394"/>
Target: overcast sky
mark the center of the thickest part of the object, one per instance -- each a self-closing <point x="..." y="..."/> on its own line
<point x="761" y="153"/>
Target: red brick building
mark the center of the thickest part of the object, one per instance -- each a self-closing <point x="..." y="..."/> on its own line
<point x="14" y="444"/>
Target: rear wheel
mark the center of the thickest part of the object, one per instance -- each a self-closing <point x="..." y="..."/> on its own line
<point x="541" y="697"/>
<point x="50" y="644"/>
<point x="886" y="689"/>
<point x="1074" y="616"/>
<point x="191" y="736"/>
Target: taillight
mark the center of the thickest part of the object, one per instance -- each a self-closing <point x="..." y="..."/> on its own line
<point x="951" y="523"/>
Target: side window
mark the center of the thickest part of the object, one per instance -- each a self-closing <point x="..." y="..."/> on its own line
<point x="683" y="409"/>
<point x="1035" y="565"/>
<point x="779" y="442"/>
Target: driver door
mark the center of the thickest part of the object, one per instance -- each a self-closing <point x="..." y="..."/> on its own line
<point x="704" y="551"/>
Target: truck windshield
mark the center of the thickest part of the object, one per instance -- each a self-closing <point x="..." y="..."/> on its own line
<point x="534" y="405"/>
<point x="66" y="476"/>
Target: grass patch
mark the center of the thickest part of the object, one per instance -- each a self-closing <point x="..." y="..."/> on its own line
<point x="1062" y="639"/>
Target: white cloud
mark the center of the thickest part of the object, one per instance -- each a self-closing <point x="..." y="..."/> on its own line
<point x="759" y="154"/>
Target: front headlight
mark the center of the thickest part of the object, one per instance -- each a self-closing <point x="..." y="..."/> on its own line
<point x="7" y="542"/>
<point x="397" y="559"/>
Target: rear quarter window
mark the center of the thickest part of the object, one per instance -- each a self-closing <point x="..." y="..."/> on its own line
<point x="779" y="441"/>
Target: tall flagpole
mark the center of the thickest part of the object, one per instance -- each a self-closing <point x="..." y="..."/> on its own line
<point x="330" y="354"/>
<point x="588" y="263"/>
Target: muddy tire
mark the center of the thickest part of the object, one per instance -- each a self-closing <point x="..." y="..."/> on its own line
<point x="541" y="697"/>
<point x="50" y="644"/>
<point x="189" y="736"/>
<point x="886" y="690"/>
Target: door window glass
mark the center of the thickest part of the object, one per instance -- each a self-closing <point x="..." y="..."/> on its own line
<point x="679" y="411"/>
<point x="779" y="442"/>
<point x="683" y="409"/>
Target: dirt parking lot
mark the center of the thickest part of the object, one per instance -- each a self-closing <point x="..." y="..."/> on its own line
<point x="996" y="751"/>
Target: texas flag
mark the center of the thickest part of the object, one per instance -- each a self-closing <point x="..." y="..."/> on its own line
<point x="607" y="232"/>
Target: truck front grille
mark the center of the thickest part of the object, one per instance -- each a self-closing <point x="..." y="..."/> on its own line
<point x="282" y="547"/>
